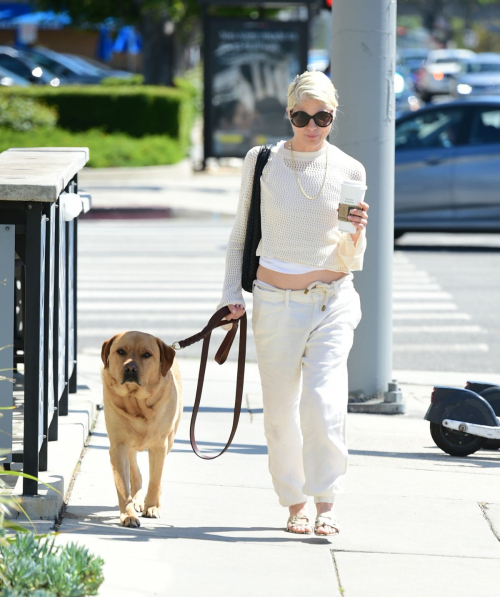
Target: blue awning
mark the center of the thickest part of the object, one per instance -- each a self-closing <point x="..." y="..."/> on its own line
<point x="44" y="19"/>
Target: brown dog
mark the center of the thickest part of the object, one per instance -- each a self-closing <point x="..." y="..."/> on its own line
<point x="142" y="409"/>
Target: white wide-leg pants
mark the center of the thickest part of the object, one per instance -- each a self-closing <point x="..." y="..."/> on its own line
<point x="305" y="335"/>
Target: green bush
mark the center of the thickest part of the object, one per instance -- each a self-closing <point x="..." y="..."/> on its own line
<point x="136" y="110"/>
<point x="36" y="567"/>
<point x="136" y="79"/>
<point x="24" y="113"/>
<point x="106" y="150"/>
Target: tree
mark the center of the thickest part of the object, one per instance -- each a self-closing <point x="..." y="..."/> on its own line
<point x="434" y="10"/>
<point x="163" y="24"/>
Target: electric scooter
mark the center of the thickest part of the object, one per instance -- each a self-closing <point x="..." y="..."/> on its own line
<point x="465" y="420"/>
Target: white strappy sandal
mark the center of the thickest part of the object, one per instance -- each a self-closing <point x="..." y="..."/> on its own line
<point x="326" y="520"/>
<point x="296" y="521"/>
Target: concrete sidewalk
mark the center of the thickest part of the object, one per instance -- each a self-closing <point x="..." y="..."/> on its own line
<point x="176" y="188"/>
<point x="415" y="522"/>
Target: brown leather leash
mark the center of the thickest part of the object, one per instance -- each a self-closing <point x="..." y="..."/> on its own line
<point x="216" y="321"/>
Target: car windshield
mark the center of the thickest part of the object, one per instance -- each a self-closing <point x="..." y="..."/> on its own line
<point x="483" y="67"/>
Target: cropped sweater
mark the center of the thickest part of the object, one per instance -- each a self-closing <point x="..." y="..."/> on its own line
<point x="294" y="228"/>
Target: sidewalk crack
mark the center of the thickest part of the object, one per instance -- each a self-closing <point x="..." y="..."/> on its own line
<point x="484" y="509"/>
<point x="337" y="574"/>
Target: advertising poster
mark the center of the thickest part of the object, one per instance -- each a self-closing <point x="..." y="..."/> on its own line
<point x="250" y="65"/>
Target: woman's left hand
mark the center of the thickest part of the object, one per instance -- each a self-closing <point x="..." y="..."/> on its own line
<point x="359" y="217"/>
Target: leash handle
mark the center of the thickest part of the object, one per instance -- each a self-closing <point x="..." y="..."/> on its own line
<point x="216" y="321"/>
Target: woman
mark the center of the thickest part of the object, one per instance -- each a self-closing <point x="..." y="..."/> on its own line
<point x="305" y="308"/>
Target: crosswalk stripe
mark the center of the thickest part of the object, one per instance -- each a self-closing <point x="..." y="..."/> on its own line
<point x="106" y="286"/>
<point x="161" y="260"/>
<point x="421" y="295"/>
<point x="415" y="307"/>
<point x="139" y="307"/>
<point x="430" y="316"/>
<point x="150" y="294"/>
<point x="423" y="286"/>
<point x="438" y="329"/>
<point x="441" y="348"/>
<point x="172" y="333"/>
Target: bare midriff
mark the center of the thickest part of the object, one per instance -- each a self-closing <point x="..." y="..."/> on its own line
<point x="297" y="281"/>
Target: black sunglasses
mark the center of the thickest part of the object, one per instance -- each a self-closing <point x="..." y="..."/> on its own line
<point x="301" y="119"/>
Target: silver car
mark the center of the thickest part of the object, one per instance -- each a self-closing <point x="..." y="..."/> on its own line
<point x="441" y="65"/>
<point x="480" y="76"/>
<point x="448" y="168"/>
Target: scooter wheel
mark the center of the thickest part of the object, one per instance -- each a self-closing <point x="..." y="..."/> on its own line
<point x="455" y="443"/>
<point x="492" y="444"/>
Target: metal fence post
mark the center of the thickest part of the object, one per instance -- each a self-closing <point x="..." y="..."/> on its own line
<point x="33" y="347"/>
<point x="7" y="290"/>
<point x="48" y="377"/>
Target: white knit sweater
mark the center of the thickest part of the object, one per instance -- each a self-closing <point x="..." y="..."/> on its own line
<point x="295" y="228"/>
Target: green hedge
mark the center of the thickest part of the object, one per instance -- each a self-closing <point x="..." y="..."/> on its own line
<point x="133" y="110"/>
<point x="106" y="149"/>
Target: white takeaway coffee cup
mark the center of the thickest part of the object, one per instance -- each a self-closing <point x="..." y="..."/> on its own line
<point x="352" y="192"/>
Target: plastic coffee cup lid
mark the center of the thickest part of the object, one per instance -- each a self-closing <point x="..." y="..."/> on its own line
<point x="354" y="183"/>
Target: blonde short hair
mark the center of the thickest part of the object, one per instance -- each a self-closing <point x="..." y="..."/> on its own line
<point x="312" y="85"/>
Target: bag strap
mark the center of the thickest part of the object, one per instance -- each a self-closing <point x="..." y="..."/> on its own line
<point x="254" y="226"/>
<point x="216" y="321"/>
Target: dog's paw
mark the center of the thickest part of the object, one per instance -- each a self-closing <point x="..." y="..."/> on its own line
<point x="129" y="521"/>
<point x="152" y="512"/>
<point x="139" y="505"/>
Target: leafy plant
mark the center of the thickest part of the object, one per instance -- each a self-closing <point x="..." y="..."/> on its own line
<point x="35" y="567"/>
<point x="25" y="113"/>
<point x="32" y="565"/>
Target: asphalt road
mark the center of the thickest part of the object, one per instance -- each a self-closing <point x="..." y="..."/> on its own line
<point x="165" y="276"/>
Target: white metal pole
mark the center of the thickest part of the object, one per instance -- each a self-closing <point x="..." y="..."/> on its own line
<point x="362" y="69"/>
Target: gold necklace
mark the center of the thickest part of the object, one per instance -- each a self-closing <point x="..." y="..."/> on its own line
<point x="297" y="176"/>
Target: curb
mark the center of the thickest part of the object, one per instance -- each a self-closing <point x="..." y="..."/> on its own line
<point x="150" y="213"/>
<point x="64" y="459"/>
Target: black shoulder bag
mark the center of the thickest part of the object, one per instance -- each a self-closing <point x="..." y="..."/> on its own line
<point x="254" y="229"/>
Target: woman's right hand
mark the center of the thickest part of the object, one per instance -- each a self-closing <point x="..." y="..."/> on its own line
<point x="237" y="311"/>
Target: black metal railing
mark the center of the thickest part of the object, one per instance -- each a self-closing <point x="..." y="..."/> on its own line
<point x="42" y="296"/>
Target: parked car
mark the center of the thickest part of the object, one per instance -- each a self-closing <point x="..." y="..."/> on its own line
<point x="25" y="67"/>
<point x="434" y="77"/>
<point x="406" y="96"/>
<point x="412" y="60"/>
<point x="480" y="76"/>
<point x="447" y="167"/>
<point x="67" y="70"/>
<point x="8" y="78"/>
<point x="101" y="69"/>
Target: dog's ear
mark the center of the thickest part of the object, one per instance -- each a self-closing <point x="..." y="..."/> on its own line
<point x="167" y="355"/>
<point x="106" y="347"/>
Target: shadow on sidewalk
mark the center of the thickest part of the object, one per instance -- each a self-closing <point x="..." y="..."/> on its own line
<point x="476" y="461"/>
<point x="86" y="524"/>
<point x="247" y="449"/>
